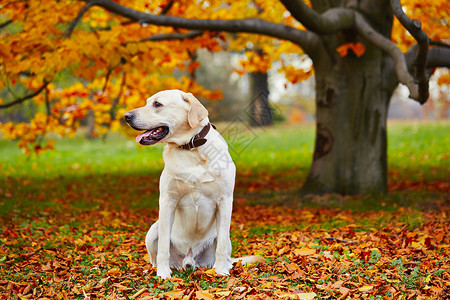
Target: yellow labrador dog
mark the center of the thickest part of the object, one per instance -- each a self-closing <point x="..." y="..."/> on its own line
<point x="196" y="185"/>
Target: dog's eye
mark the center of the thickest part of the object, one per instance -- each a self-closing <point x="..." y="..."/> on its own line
<point x="157" y="104"/>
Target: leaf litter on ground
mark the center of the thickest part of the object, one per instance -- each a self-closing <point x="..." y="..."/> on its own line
<point x="309" y="253"/>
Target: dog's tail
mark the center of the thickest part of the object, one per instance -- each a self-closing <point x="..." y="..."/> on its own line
<point x="246" y="260"/>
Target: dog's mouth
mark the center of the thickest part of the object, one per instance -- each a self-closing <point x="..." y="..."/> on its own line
<point x="152" y="136"/>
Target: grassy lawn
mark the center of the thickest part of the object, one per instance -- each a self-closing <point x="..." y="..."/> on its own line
<point x="73" y="221"/>
<point x="273" y="162"/>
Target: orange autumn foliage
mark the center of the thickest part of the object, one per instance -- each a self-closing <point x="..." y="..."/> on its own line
<point x="357" y="48"/>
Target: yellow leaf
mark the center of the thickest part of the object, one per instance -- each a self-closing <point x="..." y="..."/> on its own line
<point x="294" y="295"/>
<point x="223" y="293"/>
<point x="211" y="273"/>
<point x="444" y="80"/>
<point x="416" y="245"/>
<point x="173" y="294"/>
<point x="365" y="289"/>
<point x="204" y="295"/>
<point x="304" y="251"/>
<point x="138" y="293"/>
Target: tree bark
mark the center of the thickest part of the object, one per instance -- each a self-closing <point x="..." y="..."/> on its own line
<point x="350" y="149"/>
<point x="260" y="110"/>
<point x="353" y="94"/>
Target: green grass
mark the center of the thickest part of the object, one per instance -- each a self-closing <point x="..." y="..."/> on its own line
<point x="272" y="149"/>
<point x="85" y="173"/>
<point x="422" y="146"/>
<point x="419" y="149"/>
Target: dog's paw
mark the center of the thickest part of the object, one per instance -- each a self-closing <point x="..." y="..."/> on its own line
<point x="222" y="272"/>
<point x="223" y="268"/>
<point x="164" y="273"/>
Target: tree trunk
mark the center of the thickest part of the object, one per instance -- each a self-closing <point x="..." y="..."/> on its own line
<point x="90" y="125"/>
<point x="260" y="110"/>
<point x="350" y="149"/>
<point x="353" y="93"/>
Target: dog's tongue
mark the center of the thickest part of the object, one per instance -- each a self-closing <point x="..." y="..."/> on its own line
<point x="143" y="135"/>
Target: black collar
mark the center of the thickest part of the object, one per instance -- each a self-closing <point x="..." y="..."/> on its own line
<point x="198" y="139"/>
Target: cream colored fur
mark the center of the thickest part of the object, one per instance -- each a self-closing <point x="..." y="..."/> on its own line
<point x="196" y="188"/>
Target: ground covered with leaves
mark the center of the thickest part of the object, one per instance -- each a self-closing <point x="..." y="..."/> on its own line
<point x="308" y="253"/>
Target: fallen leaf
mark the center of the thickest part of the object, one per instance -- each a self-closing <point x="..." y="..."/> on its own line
<point x="365" y="289"/>
<point x="297" y="295"/>
<point x="121" y="287"/>
<point x="344" y="291"/>
<point x="138" y="293"/>
<point x="304" y="251"/>
<point x="204" y="295"/>
<point x="173" y="294"/>
<point x="337" y="284"/>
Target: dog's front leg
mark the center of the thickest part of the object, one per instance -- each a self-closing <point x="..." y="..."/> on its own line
<point x="166" y="215"/>
<point x="223" y="262"/>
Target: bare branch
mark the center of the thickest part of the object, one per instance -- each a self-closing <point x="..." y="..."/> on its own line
<point x="4" y="24"/>
<point x="440" y="44"/>
<point x="365" y="30"/>
<point x="108" y="74"/>
<point x="163" y="12"/>
<point x="438" y="56"/>
<point x="306" y="40"/>
<point x="333" y="20"/>
<point x="23" y="99"/>
<point x="167" y="8"/>
<point x="420" y="65"/>
<point x="47" y="102"/>
<point x="115" y="101"/>
<point x="173" y="36"/>
<point x="76" y="20"/>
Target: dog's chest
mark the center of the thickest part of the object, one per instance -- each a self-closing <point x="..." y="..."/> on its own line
<point x="188" y="167"/>
<point x="192" y="193"/>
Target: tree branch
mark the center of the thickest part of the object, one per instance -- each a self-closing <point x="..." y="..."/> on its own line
<point x="167" y="8"/>
<point x="4" y="24"/>
<point x="23" y="99"/>
<point x="306" y="40"/>
<point x="173" y="36"/>
<point x="163" y="12"/>
<point x="365" y="30"/>
<point x="438" y="56"/>
<point x="47" y="102"/>
<point x="414" y="27"/>
<point x="115" y="101"/>
<point x="439" y="43"/>
<point x="333" y="20"/>
<point x="76" y="20"/>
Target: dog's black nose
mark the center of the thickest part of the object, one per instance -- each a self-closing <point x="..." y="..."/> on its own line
<point x="128" y="116"/>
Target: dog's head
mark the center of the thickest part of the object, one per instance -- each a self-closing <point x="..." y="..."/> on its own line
<point x="169" y="116"/>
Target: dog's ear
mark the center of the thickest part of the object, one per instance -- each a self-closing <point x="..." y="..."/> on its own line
<point x="197" y="112"/>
